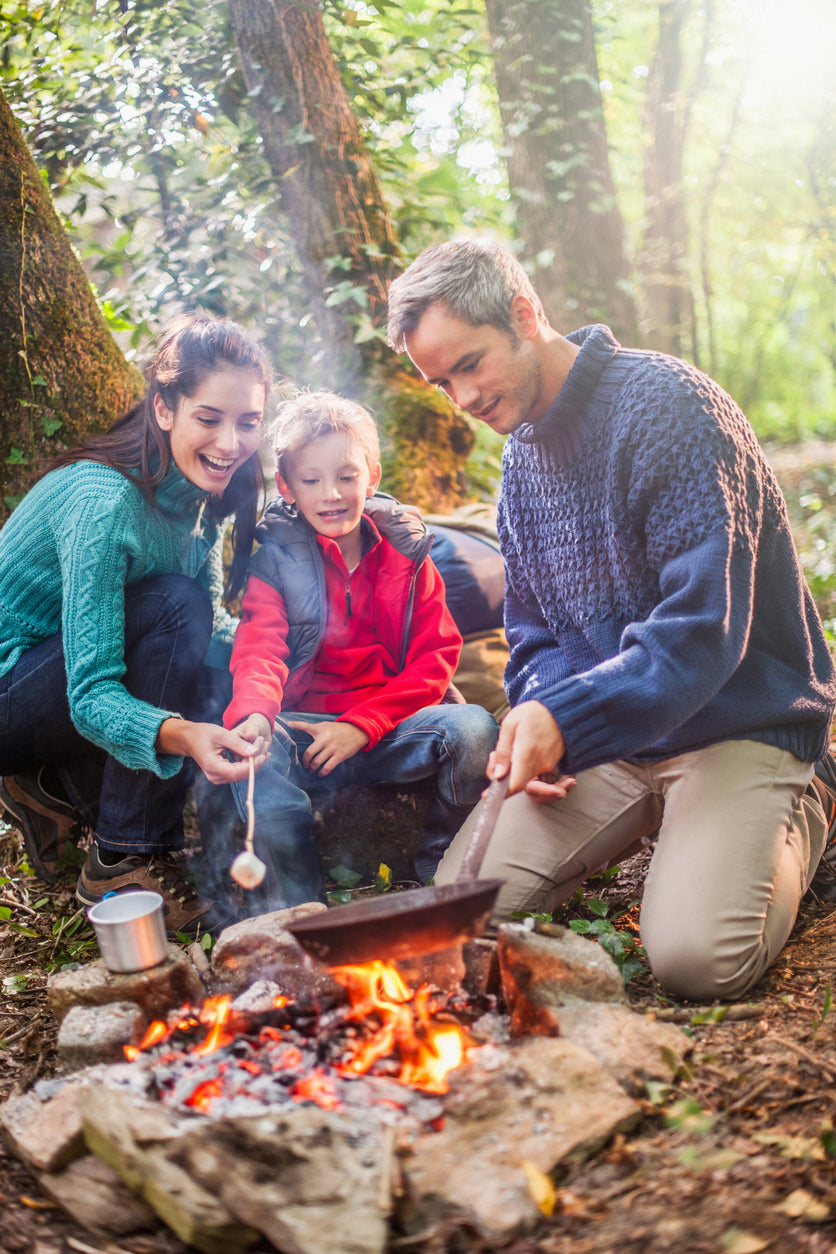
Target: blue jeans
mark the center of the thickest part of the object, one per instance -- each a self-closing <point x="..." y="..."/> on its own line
<point x="451" y="742"/>
<point x="168" y="625"/>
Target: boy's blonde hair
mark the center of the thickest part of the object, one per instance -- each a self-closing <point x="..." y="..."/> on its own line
<point x="311" y="415"/>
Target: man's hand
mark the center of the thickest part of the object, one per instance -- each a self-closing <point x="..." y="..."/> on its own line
<point x="332" y="743"/>
<point x="530" y="745"/>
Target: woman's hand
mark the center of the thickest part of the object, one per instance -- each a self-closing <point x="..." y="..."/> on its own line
<point x="208" y="744"/>
<point x="530" y="745"/>
<point x="331" y="743"/>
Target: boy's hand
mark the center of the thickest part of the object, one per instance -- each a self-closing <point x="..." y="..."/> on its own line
<point x="331" y="744"/>
<point x="256" y="728"/>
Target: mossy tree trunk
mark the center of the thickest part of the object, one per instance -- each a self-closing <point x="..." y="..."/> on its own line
<point x="567" y="217"/>
<point x="664" y="262"/>
<point x="345" y="241"/>
<point x="61" y="372"/>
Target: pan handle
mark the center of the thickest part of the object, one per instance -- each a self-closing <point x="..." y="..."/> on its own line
<point x="492" y="800"/>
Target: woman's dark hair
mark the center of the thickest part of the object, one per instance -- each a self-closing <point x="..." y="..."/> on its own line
<point x="190" y="347"/>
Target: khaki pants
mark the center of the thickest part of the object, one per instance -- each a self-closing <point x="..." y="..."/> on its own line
<point x="738" y="843"/>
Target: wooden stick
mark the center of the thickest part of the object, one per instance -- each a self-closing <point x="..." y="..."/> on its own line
<point x="805" y="1054"/>
<point x="248" y="839"/>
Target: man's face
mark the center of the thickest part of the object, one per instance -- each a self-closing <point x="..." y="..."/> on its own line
<point x="496" y="379"/>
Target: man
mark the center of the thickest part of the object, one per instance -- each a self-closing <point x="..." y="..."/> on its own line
<point x="664" y="648"/>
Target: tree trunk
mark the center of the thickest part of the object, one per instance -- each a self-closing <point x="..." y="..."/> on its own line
<point x="61" y="372"/>
<point x="567" y="217"/>
<point x="327" y="187"/>
<point x="342" y="231"/>
<point x="668" y="299"/>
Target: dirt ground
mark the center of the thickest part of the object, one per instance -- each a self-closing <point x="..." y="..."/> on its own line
<point x="737" y="1156"/>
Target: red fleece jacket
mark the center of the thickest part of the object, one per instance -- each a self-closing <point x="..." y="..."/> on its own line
<point x="355" y="673"/>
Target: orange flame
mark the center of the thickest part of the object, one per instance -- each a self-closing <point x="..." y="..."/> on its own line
<point x="427" y="1050"/>
<point x="155" y="1032"/>
<point x="215" y="1012"/>
<point x="402" y="1022"/>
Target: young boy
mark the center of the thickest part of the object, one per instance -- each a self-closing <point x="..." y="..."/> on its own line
<point x="345" y="632"/>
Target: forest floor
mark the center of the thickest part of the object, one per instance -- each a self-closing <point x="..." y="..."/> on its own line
<point x="737" y="1155"/>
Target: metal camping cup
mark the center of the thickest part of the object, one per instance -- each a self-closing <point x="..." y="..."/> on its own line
<point x="130" y="930"/>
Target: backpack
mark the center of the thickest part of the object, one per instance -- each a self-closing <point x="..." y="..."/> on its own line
<point x="466" y="552"/>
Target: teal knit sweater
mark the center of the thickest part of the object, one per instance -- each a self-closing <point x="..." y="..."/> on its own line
<point x="71" y="547"/>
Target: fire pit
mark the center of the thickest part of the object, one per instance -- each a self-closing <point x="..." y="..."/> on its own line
<point x="327" y="1113"/>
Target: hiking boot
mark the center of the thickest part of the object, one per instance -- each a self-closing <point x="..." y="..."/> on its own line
<point x="164" y="873"/>
<point x="823" y="786"/>
<point x="47" y="823"/>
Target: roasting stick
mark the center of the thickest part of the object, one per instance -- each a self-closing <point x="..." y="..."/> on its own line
<point x="247" y="869"/>
<point x="248" y="839"/>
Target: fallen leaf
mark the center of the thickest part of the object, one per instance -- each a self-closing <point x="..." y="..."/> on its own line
<point x="539" y="1186"/>
<point x="802" y="1205"/>
<point x="738" y="1241"/>
<point x="792" y="1146"/>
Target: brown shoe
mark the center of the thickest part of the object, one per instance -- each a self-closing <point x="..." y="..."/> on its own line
<point x="163" y="873"/>
<point x="48" y="824"/>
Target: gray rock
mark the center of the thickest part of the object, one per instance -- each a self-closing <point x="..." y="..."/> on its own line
<point x="45" y="1134"/>
<point x="172" y="983"/>
<point x="135" y="1138"/>
<point x="262" y="949"/>
<point x="94" y="1195"/>
<point x="312" y="1181"/>
<point x="537" y="1101"/>
<point x="90" y="1034"/>
<point x="632" y="1047"/>
<point x="540" y="972"/>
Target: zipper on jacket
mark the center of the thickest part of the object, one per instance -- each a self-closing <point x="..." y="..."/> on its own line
<point x="347" y="602"/>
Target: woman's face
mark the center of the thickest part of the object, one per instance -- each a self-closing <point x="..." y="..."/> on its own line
<point x="214" y="432"/>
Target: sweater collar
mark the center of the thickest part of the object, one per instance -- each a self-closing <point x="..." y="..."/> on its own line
<point x="567" y="423"/>
<point x="176" y="494"/>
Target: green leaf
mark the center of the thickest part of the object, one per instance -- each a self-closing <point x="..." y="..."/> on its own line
<point x="341" y="897"/>
<point x="51" y="425"/>
<point x="17" y="458"/>
<point x="596" y="906"/>
<point x="715" y="1015"/>
<point x="344" y="876"/>
<point x="24" y="931"/>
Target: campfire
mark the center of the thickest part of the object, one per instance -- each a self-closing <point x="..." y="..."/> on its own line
<point x="310" y="1106"/>
<point x="224" y="1059"/>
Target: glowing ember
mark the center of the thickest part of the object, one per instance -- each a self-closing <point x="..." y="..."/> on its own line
<point x="387" y="1030"/>
<point x="318" y="1087"/>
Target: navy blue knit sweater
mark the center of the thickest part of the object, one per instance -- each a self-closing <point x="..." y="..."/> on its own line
<point x="655" y="603"/>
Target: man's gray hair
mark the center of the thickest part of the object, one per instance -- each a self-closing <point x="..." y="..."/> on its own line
<point x="476" y="279"/>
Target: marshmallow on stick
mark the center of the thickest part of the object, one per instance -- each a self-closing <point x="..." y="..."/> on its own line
<point x="247" y="869"/>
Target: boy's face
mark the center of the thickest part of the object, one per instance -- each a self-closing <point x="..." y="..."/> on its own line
<point x="330" y="480"/>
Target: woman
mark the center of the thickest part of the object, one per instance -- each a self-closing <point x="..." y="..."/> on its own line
<point x="110" y="570"/>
